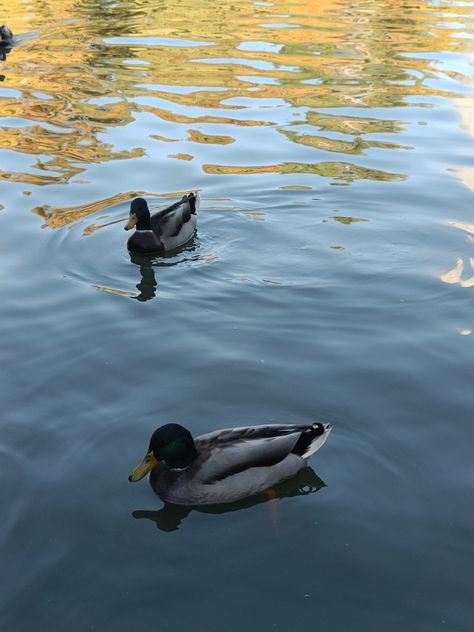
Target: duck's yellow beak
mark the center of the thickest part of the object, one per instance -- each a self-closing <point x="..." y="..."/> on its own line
<point x="132" y="221"/>
<point x="145" y="466"/>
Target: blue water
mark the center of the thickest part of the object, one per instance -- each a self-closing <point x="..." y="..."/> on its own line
<point x="331" y="279"/>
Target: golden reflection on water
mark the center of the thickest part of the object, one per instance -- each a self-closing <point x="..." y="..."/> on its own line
<point x="111" y="290"/>
<point x="210" y="139"/>
<point x="355" y="146"/>
<point x="181" y="156"/>
<point x="348" y="220"/>
<point x="88" y="67"/>
<point x="57" y="217"/>
<point x="345" y="171"/>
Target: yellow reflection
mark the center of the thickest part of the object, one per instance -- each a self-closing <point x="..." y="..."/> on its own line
<point x="296" y="187"/>
<point x="57" y="217"/>
<point x="336" y="170"/>
<point x="181" y="156"/>
<point x="112" y="290"/>
<point x="352" y="124"/>
<point x="88" y="230"/>
<point x="258" y="215"/>
<point x="209" y="139"/>
<point x="348" y="220"/>
<point x="355" y="146"/>
<point x="169" y="115"/>
<point x="163" y="139"/>
<point x="36" y="179"/>
<point x="92" y="67"/>
<point x="455" y="275"/>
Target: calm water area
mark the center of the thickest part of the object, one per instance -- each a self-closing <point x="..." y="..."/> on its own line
<point x="331" y="279"/>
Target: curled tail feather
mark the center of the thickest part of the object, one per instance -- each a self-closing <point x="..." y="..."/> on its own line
<point x="311" y="439"/>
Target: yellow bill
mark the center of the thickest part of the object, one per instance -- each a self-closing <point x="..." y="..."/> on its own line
<point x="132" y="221"/>
<point x="145" y="466"/>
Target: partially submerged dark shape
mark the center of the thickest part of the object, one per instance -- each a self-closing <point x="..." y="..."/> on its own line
<point x="6" y="36"/>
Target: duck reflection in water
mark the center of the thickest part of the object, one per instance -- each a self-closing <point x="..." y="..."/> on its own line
<point x="148" y="264"/>
<point x="147" y="286"/>
<point x="6" y="43"/>
<point x="169" y="518"/>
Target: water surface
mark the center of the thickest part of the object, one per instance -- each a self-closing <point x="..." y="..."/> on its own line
<point x="331" y="279"/>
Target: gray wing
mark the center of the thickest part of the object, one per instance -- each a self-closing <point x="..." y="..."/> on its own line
<point x="170" y="220"/>
<point x="229" y="452"/>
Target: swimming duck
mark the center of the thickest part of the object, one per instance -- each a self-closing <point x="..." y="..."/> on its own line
<point x="226" y="465"/>
<point x="6" y="35"/>
<point x="166" y="230"/>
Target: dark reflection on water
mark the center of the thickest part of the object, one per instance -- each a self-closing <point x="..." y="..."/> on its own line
<point x="170" y="517"/>
<point x="147" y="285"/>
<point x="150" y="266"/>
<point x="5" y="48"/>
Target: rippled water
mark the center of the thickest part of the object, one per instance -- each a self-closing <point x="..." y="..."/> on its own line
<point x="331" y="279"/>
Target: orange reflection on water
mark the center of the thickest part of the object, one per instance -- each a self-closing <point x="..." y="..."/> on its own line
<point x="346" y="172"/>
<point x="88" y="69"/>
<point x="57" y="217"/>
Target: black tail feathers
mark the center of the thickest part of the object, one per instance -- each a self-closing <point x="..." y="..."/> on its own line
<point x="306" y="438"/>
<point x="192" y="202"/>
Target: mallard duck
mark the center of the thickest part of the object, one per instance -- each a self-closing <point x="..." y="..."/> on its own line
<point x="166" y="230"/>
<point x="6" y="35"/>
<point x="226" y="465"/>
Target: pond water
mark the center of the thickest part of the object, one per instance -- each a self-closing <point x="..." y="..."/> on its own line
<point x="331" y="279"/>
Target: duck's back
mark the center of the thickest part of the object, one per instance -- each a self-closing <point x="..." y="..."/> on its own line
<point x="177" y="224"/>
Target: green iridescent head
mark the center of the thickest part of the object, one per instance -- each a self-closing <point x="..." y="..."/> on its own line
<point x="172" y="444"/>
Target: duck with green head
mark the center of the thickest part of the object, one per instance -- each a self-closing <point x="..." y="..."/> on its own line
<point x="226" y="465"/>
<point x="165" y="230"/>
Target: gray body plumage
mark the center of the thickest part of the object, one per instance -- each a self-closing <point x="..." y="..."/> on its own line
<point x="176" y="232"/>
<point x="236" y="463"/>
